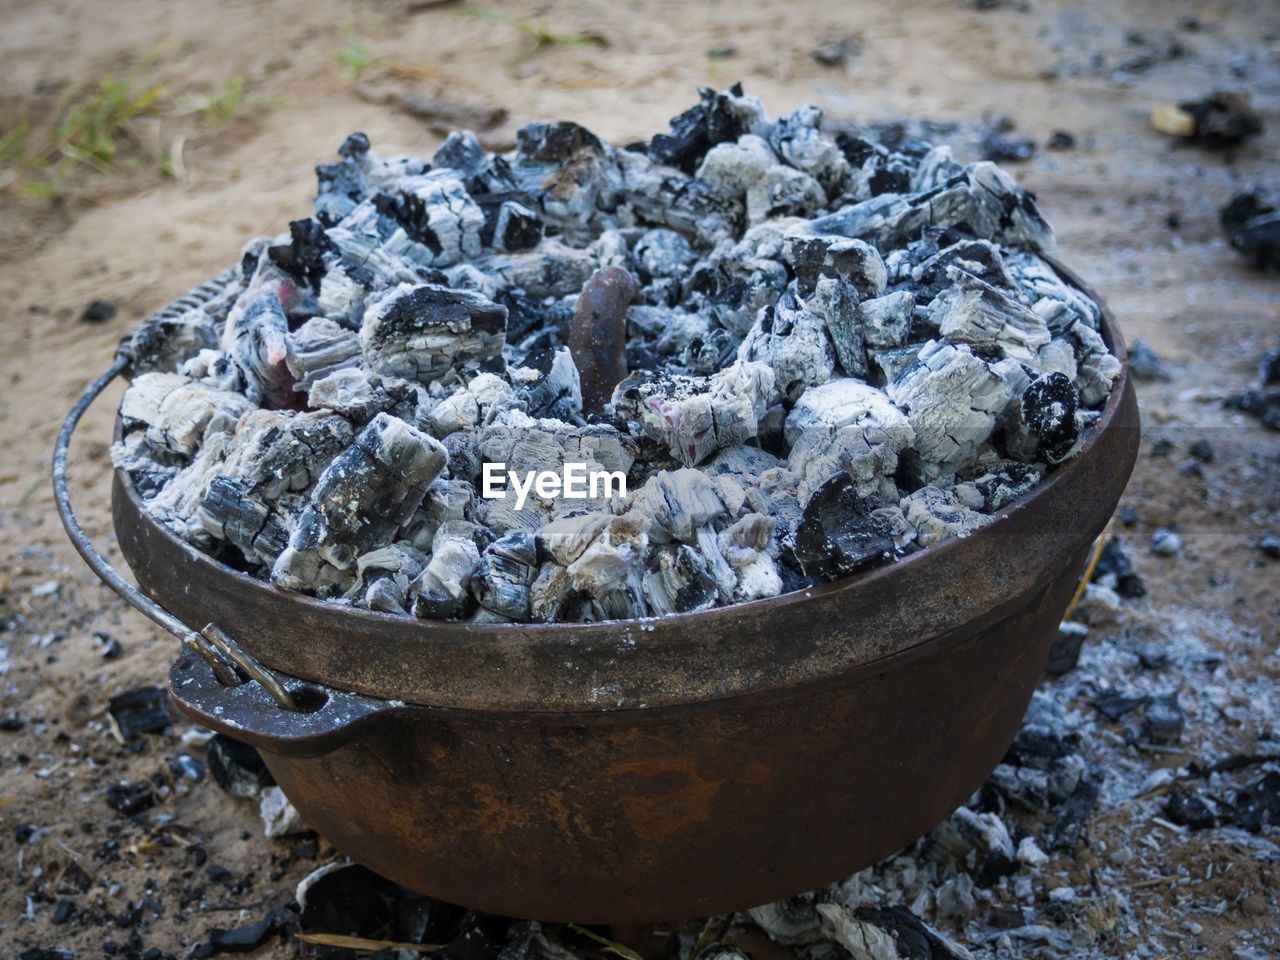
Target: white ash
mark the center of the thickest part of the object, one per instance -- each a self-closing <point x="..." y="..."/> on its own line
<point x="812" y="312"/>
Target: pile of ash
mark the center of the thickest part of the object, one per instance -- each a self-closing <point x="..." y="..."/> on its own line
<point x="575" y="382"/>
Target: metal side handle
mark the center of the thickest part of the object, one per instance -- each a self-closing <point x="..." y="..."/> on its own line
<point x="213" y="680"/>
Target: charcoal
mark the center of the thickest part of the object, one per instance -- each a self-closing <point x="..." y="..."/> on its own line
<point x="1048" y="408"/>
<point x="248" y="938"/>
<point x="422" y="332"/>
<point x="1073" y="816"/>
<point x="318" y="348"/>
<point x="236" y="767"/>
<point x="1258" y="803"/>
<point x="678" y="581"/>
<point x="131" y="798"/>
<point x="1263" y="404"/>
<point x="1115" y="564"/>
<point x="840" y="531"/>
<point x="359" y="396"/>
<point x="1004" y="212"/>
<point x="1163" y="720"/>
<point x="975" y="312"/>
<point x="144" y="710"/>
<point x="886" y="320"/>
<point x="935" y="514"/>
<point x="256" y="340"/>
<point x="846" y="426"/>
<point x="1006" y="148"/>
<point x="442" y="589"/>
<point x="97" y="311"/>
<point x="892" y="219"/>
<point x="1191" y="810"/>
<point x="504" y="575"/>
<point x="851" y="261"/>
<point x="185" y="765"/>
<point x="303" y="257"/>
<point x="1152" y="656"/>
<point x="162" y="345"/>
<point x="516" y="228"/>
<point x="550" y="269"/>
<point x="766" y="338"/>
<point x="1065" y="651"/>
<point x="1098" y="367"/>
<point x="1114" y="704"/>
<point x="177" y="412"/>
<point x="345" y="899"/>
<point x="1222" y="119"/>
<point x="734" y="291"/>
<point x="951" y="399"/>
<point x="1251" y="220"/>
<point x="663" y="253"/>
<point x="977" y="842"/>
<point x="1000" y="486"/>
<point x="369" y="490"/>
<point x="887" y="933"/>
<point x="1145" y="364"/>
<point x="470" y="405"/>
<point x="718" y="118"/>
<point x="694" y="417"/>
<point x="794" y="342"/>
<point x="279" y="818"/>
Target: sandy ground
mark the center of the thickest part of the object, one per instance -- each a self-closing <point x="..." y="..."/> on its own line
<point x="138" y="239"/>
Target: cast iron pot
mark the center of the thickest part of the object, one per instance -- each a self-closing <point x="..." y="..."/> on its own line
<point x="632" y="771"/>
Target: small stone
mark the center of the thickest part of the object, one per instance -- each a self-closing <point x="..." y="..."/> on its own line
<point x="98" y="311"/>
<point x="63" y="912"/>
<point x="1202" y="451"/>
<point x="1146" y="364"/>
<point x="1164" y="721"/>
<point x="1255" y="905"/>
<point x="1258" y="803"/>
<point x="1114" y="704"/>
<point x="279" y="817"/>
<point x="1062" y="140"/>
<point x="1165" y="543"/>
<point x="1270" y="546"/>
<point x="1007" y="149"/>
<point x="110" y="647"/>
<point x="1152" y="656"/>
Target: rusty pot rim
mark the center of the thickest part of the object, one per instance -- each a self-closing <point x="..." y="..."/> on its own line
<point x="671" y="636"/>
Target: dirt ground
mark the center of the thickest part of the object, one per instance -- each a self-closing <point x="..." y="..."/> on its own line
<point x="1135" y="212"/>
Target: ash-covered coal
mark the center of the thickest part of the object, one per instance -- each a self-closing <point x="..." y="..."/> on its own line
<point x="576" y="382"/>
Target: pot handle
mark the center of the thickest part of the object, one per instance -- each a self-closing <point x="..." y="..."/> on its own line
<point x="323" y="719"/>
<point x="209" y="680"/>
